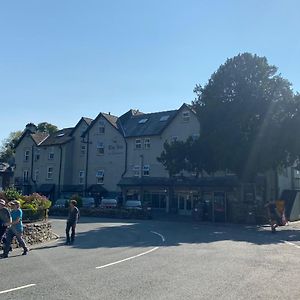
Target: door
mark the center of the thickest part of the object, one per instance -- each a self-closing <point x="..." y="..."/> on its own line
<point x="207" y="206"/>
<point x="219" y="207"/>
<point x="185" y="204"/>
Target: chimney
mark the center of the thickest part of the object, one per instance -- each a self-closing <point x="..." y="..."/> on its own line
<point x="31" y="128"/>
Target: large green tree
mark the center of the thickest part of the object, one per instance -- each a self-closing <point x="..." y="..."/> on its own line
<point x="245" y="111"/>
<point x="7" y="147"/>
<point x="46" y="127"/>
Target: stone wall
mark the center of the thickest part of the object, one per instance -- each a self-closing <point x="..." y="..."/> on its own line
<point x="36" y="233"/>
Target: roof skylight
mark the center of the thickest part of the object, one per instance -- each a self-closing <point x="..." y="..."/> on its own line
<point x="143" y="121"/>
<point x="164" y="118"/>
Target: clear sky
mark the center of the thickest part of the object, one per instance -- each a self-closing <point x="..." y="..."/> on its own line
<point x="64" y="59"/>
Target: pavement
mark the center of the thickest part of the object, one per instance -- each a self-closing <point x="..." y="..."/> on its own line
<point x="154" y="259"/>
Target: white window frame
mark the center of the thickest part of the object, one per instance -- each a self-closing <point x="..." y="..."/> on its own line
<point x="136" y="170"/>
<point x="101" y="127"/>
<point x="50" y="173"/>
<point x="81" y="177"/>
<point x="25" y="175"/>
<point x="186" y="116"/>
<point x="100" y="148"/>
<point x="195" y="136"/>
<point x="147" y="143"/>
<point x="51" y="154"/>
<point x="100" y="177"/>
<point x="26" y="155"/>
<point x="138" y="143"/>
<point x="146" y="170"/>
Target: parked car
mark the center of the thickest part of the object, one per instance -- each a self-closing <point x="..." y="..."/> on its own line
<point x="108" y="203"/>
<point x="136" y="205"/>
<point x="61" y="203"/>
<point x="88" y="202"/>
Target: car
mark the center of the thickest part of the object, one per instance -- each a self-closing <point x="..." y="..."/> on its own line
<point x="61" y="203"/>
<point x="136" y="205"/>
<point x="108" y="203"/>
<point x="88" y="202"/>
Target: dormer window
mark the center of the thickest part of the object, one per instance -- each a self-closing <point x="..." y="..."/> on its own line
<point x="101" y="127"/>
<point x="186" y="116"/>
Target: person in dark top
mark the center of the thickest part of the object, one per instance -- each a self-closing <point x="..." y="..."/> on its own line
<point x="72" y="221"/>
<point x="273" y="215"/>
<point x="5" y="219"/>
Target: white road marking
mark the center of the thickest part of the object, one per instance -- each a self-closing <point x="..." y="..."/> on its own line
<point x="17" y="288"/>
<point x="290" y="243"/>
<point x="128" y="258"/>
<point x="162" y="237"/>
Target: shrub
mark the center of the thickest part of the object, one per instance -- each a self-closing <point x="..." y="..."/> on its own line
<point x="12" y="194"/>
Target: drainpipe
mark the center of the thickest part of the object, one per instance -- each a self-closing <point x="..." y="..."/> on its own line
<point x="31" y="173"/>
<point x="59" y="173"/>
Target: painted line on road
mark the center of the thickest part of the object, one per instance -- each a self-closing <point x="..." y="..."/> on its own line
<point x="162" y="237"/>
<point x="128" y="258"/>
<point x="290" y="243"/>
<point x="17" y="288"/>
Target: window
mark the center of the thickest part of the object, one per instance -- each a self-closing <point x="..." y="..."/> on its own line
<point x="195" y="136"/>
<point x="82" y="149"/>
<point x="146" y="170"/>
<point x="81" y="177"/>
<point x="138" y="144"/>
<point x="25" y="175"/>
<point x="100" y="177"/>
<point x="136" y="170"/>
<point x="36" y="175"/>
<point x="147" y="143"/>
<point x="37" y="154"/>
<point x="143" y="121"/>
<point x="173" y="139"/>
<point x="26" y="155"/>
<point x="51" y="154"/>
<point x="164" y="118"/>
<point x="50" y="173"/>
<point x="101" y="127"/>
<point x="186" y="116"/>
<point x="100" y="148"/>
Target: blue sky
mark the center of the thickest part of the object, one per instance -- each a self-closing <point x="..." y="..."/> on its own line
<point x="60" y="60"/>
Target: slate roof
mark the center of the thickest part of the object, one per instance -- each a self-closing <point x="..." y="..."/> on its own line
<point x="38" y="137"/>
<point x="147" y="124"/>
<point x="87" y="120"/>
<point x="58" y="138"/>
<point x="111" y="119"/>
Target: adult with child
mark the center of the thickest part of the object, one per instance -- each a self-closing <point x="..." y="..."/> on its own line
<point x="15" y="229"/>
<point x="72" y="221"/>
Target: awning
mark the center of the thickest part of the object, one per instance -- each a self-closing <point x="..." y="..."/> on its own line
<point x="45" y="188"/>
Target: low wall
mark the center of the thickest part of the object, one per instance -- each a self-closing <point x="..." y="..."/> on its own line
<point x="37" y="233"/>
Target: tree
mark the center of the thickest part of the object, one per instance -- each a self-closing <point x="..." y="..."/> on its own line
<point x="173" y="157"/>
<point x="46" y="127"/>
<point x="245" y="109"/>
<point x="7" y="148"/>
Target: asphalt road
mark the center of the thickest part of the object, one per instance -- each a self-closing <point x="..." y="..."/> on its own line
<point x="114" y="259"/>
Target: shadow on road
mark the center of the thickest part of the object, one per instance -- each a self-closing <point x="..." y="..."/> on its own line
<point x="136" y="233"/>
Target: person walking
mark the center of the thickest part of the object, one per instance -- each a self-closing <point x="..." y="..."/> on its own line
<point x="15" y="229"/>
<point x="273" y="215"/>
<point x="4" y="219"/>
<point x="71" y="222"/>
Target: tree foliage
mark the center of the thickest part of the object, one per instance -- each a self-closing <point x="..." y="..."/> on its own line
<point x="245" y="111"/>
<point x="46" y="127"/>
<point x="7" y="148"/>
